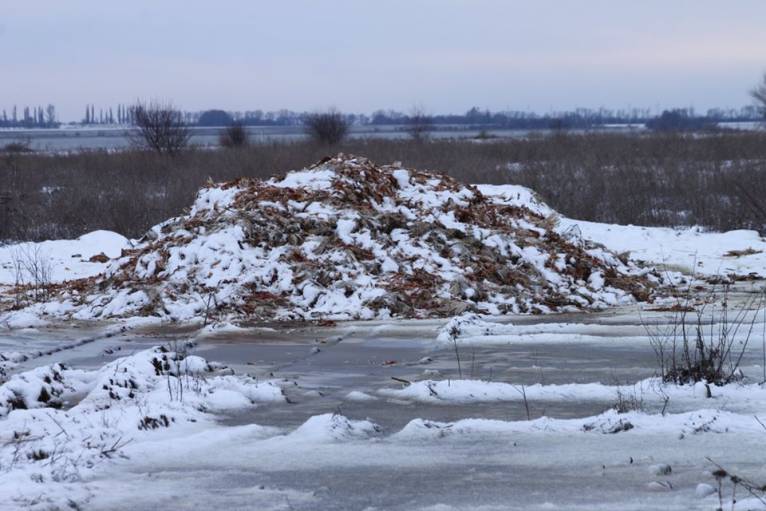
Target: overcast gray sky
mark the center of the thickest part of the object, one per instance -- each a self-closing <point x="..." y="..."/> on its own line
<point x="445" y="55"/>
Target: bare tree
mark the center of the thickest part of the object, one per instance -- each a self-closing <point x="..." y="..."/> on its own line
<point x="419" y="124"/>
<point x="160" y="127"/>
<point x="328" y="128"/>
<point x="50" y="115"/>
<point x="759" y="94"/>
<point x="234" y="136"/>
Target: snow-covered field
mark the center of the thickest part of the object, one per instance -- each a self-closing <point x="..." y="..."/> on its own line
<point x="691" y="250"/>
<point x="68" y="259"/>
<point x="478" y="411"/>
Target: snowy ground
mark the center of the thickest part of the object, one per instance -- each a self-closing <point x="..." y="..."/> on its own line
<point x="690" y="250"/>
<point x="68" y="259"/>
<point x="53" y="262"/>
<point x="312" y="419"/>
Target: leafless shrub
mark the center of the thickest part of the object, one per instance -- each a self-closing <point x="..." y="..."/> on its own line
<point x="178" y="376"/>
<point x="234" y="136"/>
<point x="160" y="127"/>
<point x="418" y="124"/>
<point x="327" y="128"/>
<point x="705" y="345"/>
<point x="629" y="401"/>
<point x="32" y="270"/>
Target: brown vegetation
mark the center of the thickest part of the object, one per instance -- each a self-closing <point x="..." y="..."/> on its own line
<point x="716" y="181"/>
<point x="234" y="136"/>
<point x="459" y="250"/>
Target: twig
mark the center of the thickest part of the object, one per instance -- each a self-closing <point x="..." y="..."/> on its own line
<point x="523" y="393"/>
<point x="457" y="355"/>
<point x="62" y="427"/>
<point x="753" y="489"/>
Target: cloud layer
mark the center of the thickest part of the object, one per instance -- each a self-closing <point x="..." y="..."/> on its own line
<point x="446" y="55"/>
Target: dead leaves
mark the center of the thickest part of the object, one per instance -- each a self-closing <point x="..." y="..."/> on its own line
<point x="448" y="269"/>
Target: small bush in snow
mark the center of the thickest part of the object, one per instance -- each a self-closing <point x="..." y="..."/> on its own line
<point x="709" y="346"/>
<point x="629" y="402"/>
<point x="32" y="270"/>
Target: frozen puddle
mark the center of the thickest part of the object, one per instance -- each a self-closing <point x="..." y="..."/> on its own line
<point x="323" y="418"/>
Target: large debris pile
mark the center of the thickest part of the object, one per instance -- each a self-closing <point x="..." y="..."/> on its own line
<point x="346" y="239"/>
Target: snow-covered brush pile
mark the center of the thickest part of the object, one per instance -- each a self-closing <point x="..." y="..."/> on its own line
<point x="347" y="239"/>
<point x="58" y="424"/>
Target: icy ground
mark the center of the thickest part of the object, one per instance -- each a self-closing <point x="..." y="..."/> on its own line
<point x="311" y="418"/>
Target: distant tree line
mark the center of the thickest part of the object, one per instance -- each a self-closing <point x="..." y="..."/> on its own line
<point x="577" y="119"/>
<point x="262" y="118"/>
<point x="124" y="115"/>
<point x="29" y="117"/>
<point x="581" y="118"/>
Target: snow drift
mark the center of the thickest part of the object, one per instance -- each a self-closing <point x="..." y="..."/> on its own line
<point x="347" y="239"/>
<point x="61" y="425"/>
